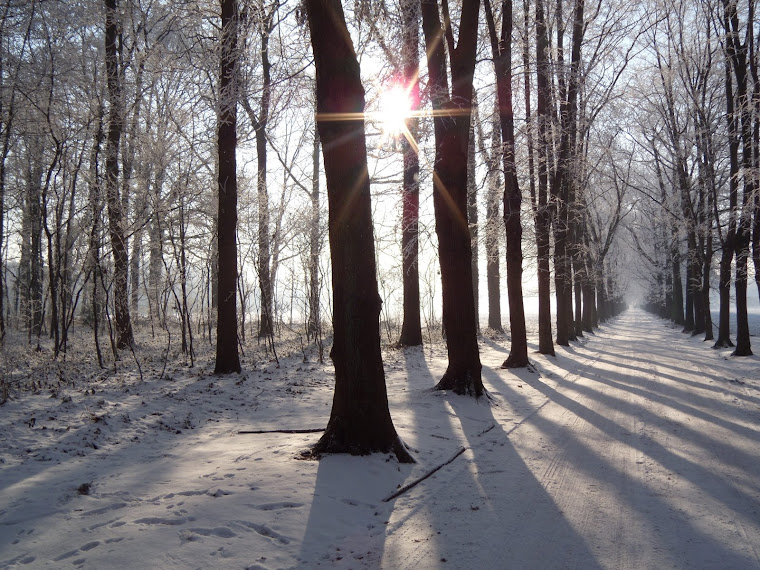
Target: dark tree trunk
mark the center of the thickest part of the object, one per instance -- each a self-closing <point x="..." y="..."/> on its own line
<point x="123" y="323"/>
<point x="676" y="310"/>
<point x="754" y="63"/>
<point x="543" y="215"/>
<point x="742" y="320"/>
<point x="452" y="129"/>
<point x="227" y="359"/>
<point x="736" y="52"/>
<point x="266" y="326"/>
<point x="472" y="217"/>
<point x="493" y="225"/>
<point x="360" y="422"/>
<point x="502" y="55"/>
<point x="156" y="263"/>
<point x="564" y="182"/>
<point x="689" y="299"/>
<point x="314" y="327"/>
<point x="708" y="326"/>
<point x="31" y="255"/>
<point x="588" y="318"/>
<point x="724" y="290"/>
<point x="411" y="329"/>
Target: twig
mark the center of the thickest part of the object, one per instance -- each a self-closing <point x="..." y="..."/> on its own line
<point x="414" y="483"/>
<point x="260" y="431"/>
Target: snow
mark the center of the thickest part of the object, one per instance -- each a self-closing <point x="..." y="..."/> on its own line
<point x="636" y="447"/>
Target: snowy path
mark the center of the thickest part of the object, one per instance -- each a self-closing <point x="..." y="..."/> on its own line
<point x="637" y="447"/>
<point x="645" y="453"/>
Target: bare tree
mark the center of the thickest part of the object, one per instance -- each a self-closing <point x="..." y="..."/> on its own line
<point x="124" y="336"/>
<point x="501" y="47"/>
<point x="360" y="422"/>
<point x="227" y="359"/>
<point x="452" y="111"/>
<point x="411" y="329"/>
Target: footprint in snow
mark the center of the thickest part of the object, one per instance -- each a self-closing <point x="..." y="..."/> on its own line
<point x="220" y="531"/>
<point x="22" y="559"/>
<point x="102" y="510"/>
<point x="159" y="520"/>
<point x="277" y="506"/>
<point x="70" y="553"/>
<point x="263" y="530"/>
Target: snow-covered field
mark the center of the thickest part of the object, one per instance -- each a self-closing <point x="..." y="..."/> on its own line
<point x="636" y="447"/>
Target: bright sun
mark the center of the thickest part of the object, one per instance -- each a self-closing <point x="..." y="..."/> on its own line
<point x="395" y="109"/>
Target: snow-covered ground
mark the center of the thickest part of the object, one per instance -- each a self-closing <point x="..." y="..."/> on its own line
<point x="636" y="447"/>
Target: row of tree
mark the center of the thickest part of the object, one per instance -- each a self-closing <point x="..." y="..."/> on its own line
<point x="701" y="143"/>
<point x="118" y="120"/>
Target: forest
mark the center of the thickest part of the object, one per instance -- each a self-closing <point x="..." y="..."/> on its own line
<point x="324" y="193"/>
<point x="161" y="171"/>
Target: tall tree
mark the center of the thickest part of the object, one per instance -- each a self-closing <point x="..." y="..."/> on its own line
<point x="260" y="124"/>
<point x="452" y="111"/>
<point x="563" y="186"/>
<point x="411" y="329"/>
<point x="360" y="421"/>
<point x="493" y="220"/>
<point x="227" y="359"/>
<point x="501" y="47"/>
<point x="124" y="336"/>
<point x="314" y="326"/>
<point x="542" y="210"/>
<point x="737" y="52"/>
<point x="728" y="244"/>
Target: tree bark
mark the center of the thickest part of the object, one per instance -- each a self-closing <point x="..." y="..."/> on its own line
<point x="266" y="322"/>
<point x="227" y="359"/>
<point x="736" y="52"/>
<point x="472" y="217"/>
<point x="360" y="422"/>
<point x="501" y="48"/>
<point x="314" y="324"/>
<point x="452" y="129"/>
<point x="124" y="337"/>
<point x="542" y="214"/>
<point x="493" y="223"/>
<point x="411" y="328"/>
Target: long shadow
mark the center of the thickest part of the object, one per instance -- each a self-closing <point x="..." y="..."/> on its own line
<point x="717" y="371"/>
<point x="347" y="519"/>
<point x="523" y="525"/>
<point x="681" y="530"/>
<point x="663" y="365"/>
<point x="732" y="457"/>
<point x="669" y="397"/>
<point x="478" y="513"/>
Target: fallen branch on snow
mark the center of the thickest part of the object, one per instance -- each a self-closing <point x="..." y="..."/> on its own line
<point x="405" y="488"/>
<point x="259" y="431"/>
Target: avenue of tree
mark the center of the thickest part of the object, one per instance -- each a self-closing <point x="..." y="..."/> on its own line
<point x="164" y="167"/>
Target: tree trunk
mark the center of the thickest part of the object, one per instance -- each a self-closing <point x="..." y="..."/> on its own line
<point x="124" y="338"/>
<point x="736" y="53"/>
<point x="677" y="308"/>
<point x="31" y="254"/>
<point x="411" y="329"/>
<point x="156" y="262"/>
<point x="543" y="215"/>
<point x="266" y="326"/>
<point x="708" y="326"/>
<point x="493" y="225"/>
<point x="360" y="422"/>
<point x="502" y="55"/>
<point x="472" y="217"/>
<point x="452" y="129"/>
<point x="227" y="359"/>
<point x="313" y="327"/>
